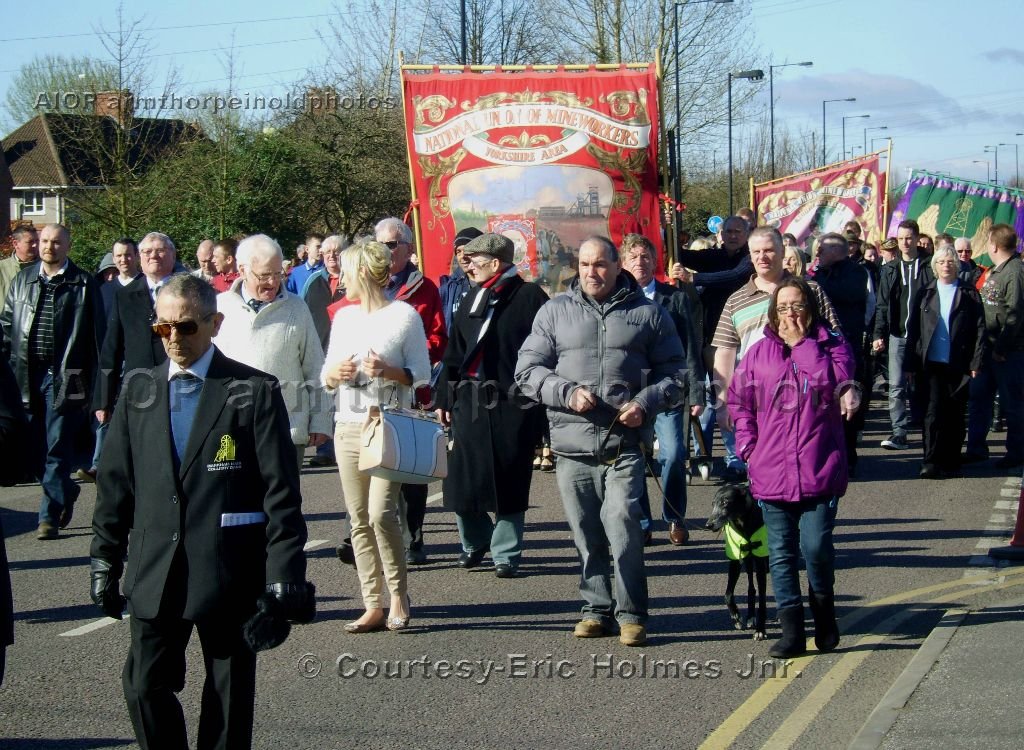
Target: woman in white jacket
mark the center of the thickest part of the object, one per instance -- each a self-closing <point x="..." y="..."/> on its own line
<point x="377" y="351"/>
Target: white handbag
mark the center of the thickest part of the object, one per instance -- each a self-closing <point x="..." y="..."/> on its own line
<point x="403" y="445"/>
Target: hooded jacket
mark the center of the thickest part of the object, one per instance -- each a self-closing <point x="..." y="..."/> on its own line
<point x="783" y="402"/>
<point x="624" y="349"/>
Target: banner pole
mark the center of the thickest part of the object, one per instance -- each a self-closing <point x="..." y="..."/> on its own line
<point x="888" y="187"/>
<point x="412" y="176"/>
<point x="672" y="245"/>
<point x="751" y="204"/>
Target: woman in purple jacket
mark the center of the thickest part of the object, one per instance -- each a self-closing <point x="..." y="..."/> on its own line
<point x="787" y="400"/>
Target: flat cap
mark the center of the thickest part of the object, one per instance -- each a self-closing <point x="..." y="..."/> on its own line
<point x="498" y="245"/>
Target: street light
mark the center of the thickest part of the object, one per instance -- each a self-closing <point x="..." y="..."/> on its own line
<point x="884" y="138"/>
<point x="753" y="75"/>
<point x="988" y="166"/>
<point x="771" y="101"/>
<point x="995" y="150"/>
<point x="677" y="131"/>
<point x="880" y="127"/>
<point x="1016" y="159"/>
<point x="850" y="117"/>
<point x="824" y="158"/>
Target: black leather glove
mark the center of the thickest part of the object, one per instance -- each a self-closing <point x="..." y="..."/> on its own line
<point x="104" y="590"/>
<point x="297" y="600"/>
<point x="276" y="609"/>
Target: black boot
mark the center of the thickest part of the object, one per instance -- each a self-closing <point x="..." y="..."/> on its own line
<point x="794" y="640"/>
<point x="826" y="629"/>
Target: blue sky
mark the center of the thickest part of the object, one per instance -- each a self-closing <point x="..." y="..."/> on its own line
<point x="945" y="76"/>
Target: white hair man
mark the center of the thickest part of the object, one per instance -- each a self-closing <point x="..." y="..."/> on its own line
<point x="267" y="327"/>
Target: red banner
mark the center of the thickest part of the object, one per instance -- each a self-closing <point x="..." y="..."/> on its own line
<point x="546" y="158"/>
<point x="810" y="204"/>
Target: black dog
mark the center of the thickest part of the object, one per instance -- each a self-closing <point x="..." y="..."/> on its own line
<point x="736" y="512"/>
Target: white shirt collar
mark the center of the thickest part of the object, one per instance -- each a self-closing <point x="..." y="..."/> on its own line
<point x="199" y="368"/>
<point x="649" y="289"/>
<point x="62" y="269"/>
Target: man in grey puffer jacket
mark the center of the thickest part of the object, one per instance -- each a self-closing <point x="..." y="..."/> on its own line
<point x="603" y="358"/>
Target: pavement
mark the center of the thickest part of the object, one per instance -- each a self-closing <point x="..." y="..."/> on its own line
<point x="961" y="689"/>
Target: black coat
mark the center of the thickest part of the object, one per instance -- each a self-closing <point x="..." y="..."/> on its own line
<point x="130" y="342"/>
<point x="239" y="459"/>
<point x="889" y="311"/>
<point x="845" y="283"/>
<point x="966" y="330"/>
<point x="686" y="314"/>
<point x="494" y="427"/>
<point x="78" y="328"/>
<point x="13" y="428"/>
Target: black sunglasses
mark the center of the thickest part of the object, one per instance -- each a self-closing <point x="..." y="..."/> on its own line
<point x="183" y="327"/>
<point x="393" y="244"/>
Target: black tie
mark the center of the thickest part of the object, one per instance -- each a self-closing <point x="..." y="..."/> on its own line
<point x="256" y="304"/>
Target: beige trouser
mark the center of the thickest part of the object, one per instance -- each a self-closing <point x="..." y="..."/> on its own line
<point x="372" y="505"/>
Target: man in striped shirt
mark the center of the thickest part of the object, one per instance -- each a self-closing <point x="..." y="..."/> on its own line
<point x="742" y="324"/>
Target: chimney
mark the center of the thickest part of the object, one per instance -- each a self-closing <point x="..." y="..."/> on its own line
<point x="321" y="100"/>
<point x="119" y="105"/>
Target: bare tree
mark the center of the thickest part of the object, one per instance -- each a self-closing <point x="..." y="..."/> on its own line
<point x="507" y="32"/>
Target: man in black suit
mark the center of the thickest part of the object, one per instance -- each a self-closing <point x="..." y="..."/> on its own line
<point x="640" y="258"/>
<point x="130" y="343"/>
<point x="198" y="485"/>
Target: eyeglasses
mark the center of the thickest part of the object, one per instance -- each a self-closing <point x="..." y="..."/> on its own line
<point x="183" y="327"/>
<point x="478" y="259"/>
<point x="392" y="244"/>
<point x="797" y="307"/>
<point x="267" y="277"/>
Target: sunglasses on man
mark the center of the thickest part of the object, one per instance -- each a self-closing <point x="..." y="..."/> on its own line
<point x="183" y="327"/>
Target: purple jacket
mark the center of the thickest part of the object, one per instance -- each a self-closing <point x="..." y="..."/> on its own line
<point x="784" y="404"/>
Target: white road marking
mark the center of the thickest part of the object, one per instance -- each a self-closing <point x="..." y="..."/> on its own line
<point x="314" y="543"/>
<point x="1009" y="492"/>
<point x="434" y="498"/>
<point x="92" y="626"/>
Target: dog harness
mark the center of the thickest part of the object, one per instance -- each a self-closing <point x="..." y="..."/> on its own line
<point x="737" y="547"/>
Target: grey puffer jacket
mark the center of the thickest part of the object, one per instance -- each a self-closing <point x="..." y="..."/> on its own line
<point x="625" y="349"/>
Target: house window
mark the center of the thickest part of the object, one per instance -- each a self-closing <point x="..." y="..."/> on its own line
<point x="34" y="203"/>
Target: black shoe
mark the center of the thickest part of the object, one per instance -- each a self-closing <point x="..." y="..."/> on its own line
<point x="794" y="638"/>
<point x="1003" y="463"/>
<point x="66" y="515"/>
<point x="504" y="570"/>
<point x="415" y="557"/>
<point x="322" y="461"/>
<point x="346" y="554"/>
<point x="648" y="538"/>
<point x="469" y="560"/>
<point x="929" y="472"/>
<point x="973" y="458"/>
<point x="895" y="443"/>
<point x="826" y="629"/>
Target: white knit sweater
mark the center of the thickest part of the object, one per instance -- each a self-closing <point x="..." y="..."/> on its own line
<point x="395" y="333"/>
<point x="281" y="340"/>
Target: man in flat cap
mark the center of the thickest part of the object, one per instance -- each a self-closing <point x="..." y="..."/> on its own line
<point x="495" y="427"/>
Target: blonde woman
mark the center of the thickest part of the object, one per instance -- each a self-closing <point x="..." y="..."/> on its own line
<point x="792" y="261"/>
<point x="377" y="351"/>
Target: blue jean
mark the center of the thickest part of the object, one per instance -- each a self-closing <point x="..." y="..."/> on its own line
<point x="53" y="436"/>
<point x="602" y="506"/>
<point x="100" y="431"/>
<point x="669" y="429"/>
<point x="899" y="415"/>
<point x="800" y="527"/>
<point x="1008" y="379"/>
<point x="504" y="535"/>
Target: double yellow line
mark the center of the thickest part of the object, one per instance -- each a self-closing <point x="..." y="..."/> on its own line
<point x="808" y="709"/>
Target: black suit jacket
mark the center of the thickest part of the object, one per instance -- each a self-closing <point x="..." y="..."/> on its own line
<point x="966" y="330"/>
<point x="130" y="343"/>
<point x="239" y="459"/>
<point x="681" y="308"/>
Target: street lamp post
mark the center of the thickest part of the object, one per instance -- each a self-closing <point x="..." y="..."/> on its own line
<point x="988" y="168"/>
<point x="850" y="117"/>
<point x="880" y="127"/>
<point x="677" y="131"/>
<point x="771" y="102"/>
<point x="824" y="140"/>
<point x="1016" y="159"/>
<point x="753" y="75"/>
<point x="462" y="24"/>
<point x="883" y="138"/>
<point x="994" y="150"/>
